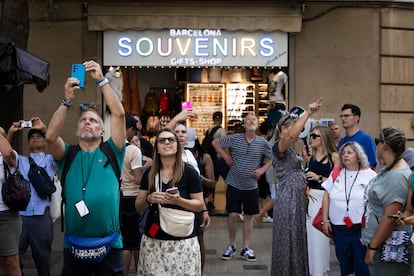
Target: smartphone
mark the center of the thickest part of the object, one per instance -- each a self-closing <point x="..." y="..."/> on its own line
<point x="26" y="124"/>
<point x="186" y="105"/>
<point x="172" y="190"/>
<point x="78" y="72"/>
<point x="395" y="216"/>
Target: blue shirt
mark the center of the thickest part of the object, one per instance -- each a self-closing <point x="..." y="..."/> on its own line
<point x="37" y="205"/>
<point x="366" y="142"/>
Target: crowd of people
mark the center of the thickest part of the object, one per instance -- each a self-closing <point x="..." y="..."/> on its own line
<point x="120" y="195"/>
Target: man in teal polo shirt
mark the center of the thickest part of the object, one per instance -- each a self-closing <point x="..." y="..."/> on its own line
<point x="91" y="190"/>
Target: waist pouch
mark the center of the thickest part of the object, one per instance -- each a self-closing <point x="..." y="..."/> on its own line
<point x="90" y="249"/>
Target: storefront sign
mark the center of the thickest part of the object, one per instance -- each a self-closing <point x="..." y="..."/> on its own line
<point x="194" y="48"/>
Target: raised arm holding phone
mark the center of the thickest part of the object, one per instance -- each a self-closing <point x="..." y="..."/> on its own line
<point x="91" y="191"/>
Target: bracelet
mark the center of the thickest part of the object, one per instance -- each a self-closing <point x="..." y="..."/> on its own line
<point x="147" y="201"/>
<point x="66" y="103"/>
<point x="205" y="211"/>
<point x="324" y="222"/>
<point x="102" y="81"/>
<point x="372" y="248"/>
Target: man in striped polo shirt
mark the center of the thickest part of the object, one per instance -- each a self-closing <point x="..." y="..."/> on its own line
<point x="248" y="152"/>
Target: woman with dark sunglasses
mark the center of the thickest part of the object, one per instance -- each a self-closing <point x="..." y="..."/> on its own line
<point x="319" y="166"/>
<point x="387" y="194"/>
<point x="161" y="252"/>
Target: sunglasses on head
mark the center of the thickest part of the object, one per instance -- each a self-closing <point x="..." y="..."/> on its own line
<point x="314" y="135"/>
<point x="292" y="116"/>
<point x="163" y="140"/>
<point x="86" y="106"/>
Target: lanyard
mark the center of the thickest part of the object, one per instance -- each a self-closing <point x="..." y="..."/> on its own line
<point x="348" y="196"/>
<point x="85" y="182"/>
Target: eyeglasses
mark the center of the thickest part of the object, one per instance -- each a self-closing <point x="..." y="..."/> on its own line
<point x="163" y="140"/>
<point x="314" y="136"/>
<point x="345" y="115"/>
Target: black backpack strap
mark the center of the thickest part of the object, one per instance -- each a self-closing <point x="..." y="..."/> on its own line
<point x="107" y="150"/>
<point x="31" y="161"/>
<point x="72" y="151"/>
<point x="214" y="130"/>
<point x="109" y="153"/>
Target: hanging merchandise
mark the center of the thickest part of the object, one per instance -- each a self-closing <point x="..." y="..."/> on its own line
<point x="214" y="74"/>
<point x="276" y="82"/>
<point x="153" y="124"/>
<point x="256" y="74"/>
<point x="235" y="74"/>
<point x="164" y="102"/>
<point x="134" y="93"/>
<point x="126" y="89"/>
<point x="151" y="103"/>
<point x="195" y="75"/>
<point x="164" y="120"/>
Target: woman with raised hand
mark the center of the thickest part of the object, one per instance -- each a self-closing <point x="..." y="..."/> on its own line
<point x="289" y="248"/>
<point x="343" y="208"/>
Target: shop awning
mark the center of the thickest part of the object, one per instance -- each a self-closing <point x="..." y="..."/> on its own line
<point x="235" y="16"/>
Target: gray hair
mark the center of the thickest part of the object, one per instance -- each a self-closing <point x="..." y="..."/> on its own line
<point x="362" y="157"/>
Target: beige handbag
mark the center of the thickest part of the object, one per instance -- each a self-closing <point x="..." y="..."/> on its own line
<point x="177" y="223"/>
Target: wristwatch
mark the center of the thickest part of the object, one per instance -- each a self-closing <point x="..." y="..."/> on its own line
<point x="320" y="179"/>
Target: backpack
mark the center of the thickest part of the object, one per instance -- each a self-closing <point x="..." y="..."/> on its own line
<point x="206" y="144"/>
<point x="40" y="180"/>
<point x="72" y="151"/>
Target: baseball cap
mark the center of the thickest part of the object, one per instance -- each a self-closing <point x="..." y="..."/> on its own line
<point x="191" y="137"/>
<point x="130" y="121"/>
<point x="408" y="156"/>
<point x="34" y="131"/>
<point x="217" y="115"/>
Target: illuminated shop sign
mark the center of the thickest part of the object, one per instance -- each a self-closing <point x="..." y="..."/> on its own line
<point x="188" y="47"/>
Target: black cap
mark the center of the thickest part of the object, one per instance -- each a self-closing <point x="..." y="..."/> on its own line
<point x="34" y="131"/>
<point x="218" y="115"/>
<point x="130" y="121"/>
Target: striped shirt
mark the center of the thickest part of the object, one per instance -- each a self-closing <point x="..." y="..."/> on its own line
<point x="246" y="158"/>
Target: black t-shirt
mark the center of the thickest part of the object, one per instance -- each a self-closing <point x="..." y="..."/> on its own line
<point x="190" y="183"/>
<point x="146" y="147"/>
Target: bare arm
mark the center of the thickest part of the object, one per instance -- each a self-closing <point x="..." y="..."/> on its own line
<point x="222" y="152"/>
<point x="291" y="134"/>
<point x="140" y="202"/>
<point x="137" y="173"/>
<point x="55" y="143"/>
<point x="7" y="152"/>
<point x="117" y="126"/>
<point x="208" y="178"/>
<point x="325" y="213"/>
<point x="383" y="231"/>
<point x="182" y="116"/>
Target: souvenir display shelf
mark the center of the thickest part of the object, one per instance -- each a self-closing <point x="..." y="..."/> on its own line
<point x="263" y="102"/>
<point x="206" y="98"/>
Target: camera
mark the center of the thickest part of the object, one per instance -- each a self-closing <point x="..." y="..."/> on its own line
<point x="26" y="124"/>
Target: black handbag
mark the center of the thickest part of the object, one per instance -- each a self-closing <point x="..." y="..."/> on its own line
<point x="15" y="190"/>
<point x="40" y="180"/>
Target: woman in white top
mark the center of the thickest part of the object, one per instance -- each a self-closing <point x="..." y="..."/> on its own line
<point x="343" y="208"/>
